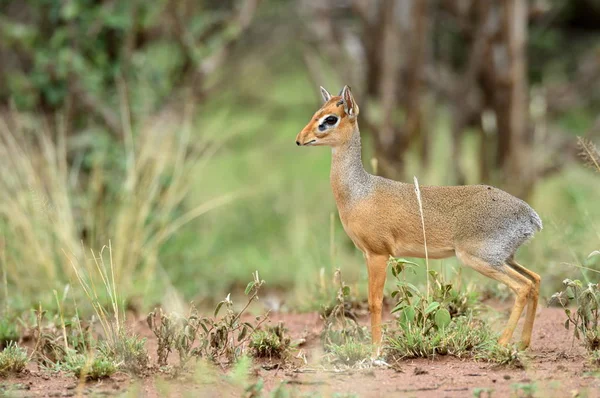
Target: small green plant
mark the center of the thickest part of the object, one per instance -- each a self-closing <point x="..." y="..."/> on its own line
<point x="212" y="338"/>
<point x="254" y="390"/>
<point x="50" y="334"/>
<point x="422" y="318"/>
<point x="270" y="343"/>
<point x="524" y="390"/>
<point x="340" y="322"/>
<point x="508" y="355"/>
<point x="442" y="322"/>
<point x="89" y="367"/>
<point x="436" y="308"/>
<point x="129" y="351"/>
<point x="350" y="353"/>
<point x="13" y="359"/>
<point x="344" y="339"/>
<point x="240" y="371"/>
<point x="483" y="392"/>
<point x="585" y="319"/>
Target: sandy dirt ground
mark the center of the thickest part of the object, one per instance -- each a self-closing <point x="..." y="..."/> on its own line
<point x="554" y="366"/>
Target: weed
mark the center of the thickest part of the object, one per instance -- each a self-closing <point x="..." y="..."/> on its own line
<point x="343" y="338"/>
<point x="586" y="317"/>
<point x="340" y="323"/>
<point x="442" y="323"/>
<point x="238" y="375"/>
<point x="524" y="390"/>
<point x="129" y="351"/>
<point x="89" y="367"/>
<point x="13" y="359"/>
<point x="270" y="343"/>
<point x="212" y="338"/>
<point x="483" y="392"/>
<point x="349" y="353"/>
<point x="254" y="390"/>
<point x="508" y="355"/>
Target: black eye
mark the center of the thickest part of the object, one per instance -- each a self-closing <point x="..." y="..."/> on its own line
<point x="331" y="120"/>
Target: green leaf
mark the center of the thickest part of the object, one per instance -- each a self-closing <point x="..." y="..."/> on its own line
<point x="567" y="324"/>
<point x="249" y="288"/>
<point x="432" y="307"/>
<point x="442" y="318"/>
<point x="346" y="291"/>
<point x="406" y="262"/>
<point x="413" y="288"/>
<point x="398" y="307"/>
<point x="407" y="315"/>
<point x="243" y="333"/>
<point x="219" y="307"/>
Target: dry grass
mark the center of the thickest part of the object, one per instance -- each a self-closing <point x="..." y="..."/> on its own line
<point x="418" y="193"/>
<point x="59" y="197"/>
<point x="589" y="153"/>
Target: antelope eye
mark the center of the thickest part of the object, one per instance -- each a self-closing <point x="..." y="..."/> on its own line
<point x="331" y="120"/>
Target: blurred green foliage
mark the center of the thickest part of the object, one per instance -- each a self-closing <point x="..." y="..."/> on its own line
<point x="145" y="56"/>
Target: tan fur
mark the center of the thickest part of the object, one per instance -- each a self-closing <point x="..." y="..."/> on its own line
<point x="483" y="226"/>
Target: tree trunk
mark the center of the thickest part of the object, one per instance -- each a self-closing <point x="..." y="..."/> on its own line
<point x="511" y="97"/>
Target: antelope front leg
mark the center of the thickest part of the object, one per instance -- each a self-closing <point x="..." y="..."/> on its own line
<point x="376" y="266"/>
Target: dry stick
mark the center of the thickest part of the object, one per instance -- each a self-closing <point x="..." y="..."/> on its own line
<point x="418" y="192"/>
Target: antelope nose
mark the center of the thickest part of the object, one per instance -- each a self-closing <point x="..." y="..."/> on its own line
<point x="298" y="143"/>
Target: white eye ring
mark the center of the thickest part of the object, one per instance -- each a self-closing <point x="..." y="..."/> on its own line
<point x="328" y="126"/>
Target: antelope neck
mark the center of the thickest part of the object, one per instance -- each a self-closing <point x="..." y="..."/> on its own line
<point x="349" y="179"/>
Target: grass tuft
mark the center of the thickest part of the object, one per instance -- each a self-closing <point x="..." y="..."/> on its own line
<point x="129" y="351"/>
<point x="442" y="322"/>
<point x="88" y="367"/>
<point x="271" y="342"/>
<point x="349" y="353"/>
<point x="13" y="359"/>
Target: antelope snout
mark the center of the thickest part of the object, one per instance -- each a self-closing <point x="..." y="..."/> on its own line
<point x="299" y="138"/>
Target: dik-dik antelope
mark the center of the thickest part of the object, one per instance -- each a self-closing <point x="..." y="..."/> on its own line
<point x="481" y="225"/>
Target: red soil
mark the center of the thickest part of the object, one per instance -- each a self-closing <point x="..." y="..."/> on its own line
<point x="555" y="364"/>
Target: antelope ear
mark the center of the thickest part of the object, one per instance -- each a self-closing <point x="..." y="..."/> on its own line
<point x="325" y="94"/>
<point x="349" y="104"/>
